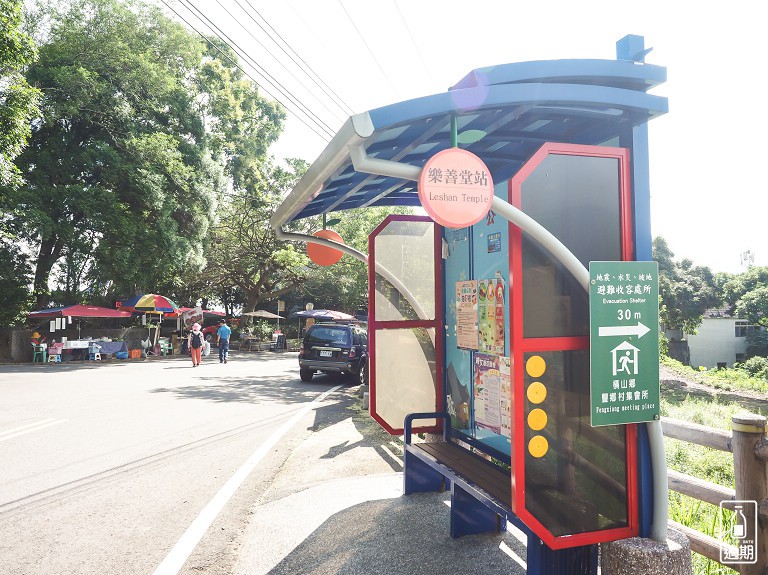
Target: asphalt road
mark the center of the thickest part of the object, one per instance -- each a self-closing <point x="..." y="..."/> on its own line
<point x="108" y="468"/>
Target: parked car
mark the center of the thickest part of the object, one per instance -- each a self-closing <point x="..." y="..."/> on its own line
<point x="334" y="348"/>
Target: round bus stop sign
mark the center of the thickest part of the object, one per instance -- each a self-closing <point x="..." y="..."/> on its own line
<point x="456" y="188"/>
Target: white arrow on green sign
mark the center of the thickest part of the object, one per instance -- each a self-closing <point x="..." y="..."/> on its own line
<point x="639" y="330"/>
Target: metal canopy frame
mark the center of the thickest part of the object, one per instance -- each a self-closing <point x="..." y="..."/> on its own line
<point x="513" y="109"/>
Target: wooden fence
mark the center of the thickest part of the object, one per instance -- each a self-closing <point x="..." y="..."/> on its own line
<point x="749" y="446"/>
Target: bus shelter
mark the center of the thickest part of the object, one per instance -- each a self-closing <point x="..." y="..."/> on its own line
<point x="489" y="323"/>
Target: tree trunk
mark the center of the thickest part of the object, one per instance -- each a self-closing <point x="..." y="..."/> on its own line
<point x="50" y="251"/>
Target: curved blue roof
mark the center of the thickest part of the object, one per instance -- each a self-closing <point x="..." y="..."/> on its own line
<point x="504" y="114"/>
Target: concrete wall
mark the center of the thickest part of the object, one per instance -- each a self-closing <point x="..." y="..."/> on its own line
<point x="716" y="342"/>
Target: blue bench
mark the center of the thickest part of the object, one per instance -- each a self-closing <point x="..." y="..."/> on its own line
<point x="480" y="497"/>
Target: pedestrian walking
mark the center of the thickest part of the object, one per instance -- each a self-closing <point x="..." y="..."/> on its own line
<point x="224" y="332"/>
<point x="195" y="341"/>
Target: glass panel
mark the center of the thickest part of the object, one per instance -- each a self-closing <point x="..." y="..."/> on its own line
<point x="577" y="198"/>
<point x="575" y="474"/>
<point x="405" y="374"/>
<point x="405" y="272"/>
<point x="554" y="304"/>
<point x="330" y="335"/>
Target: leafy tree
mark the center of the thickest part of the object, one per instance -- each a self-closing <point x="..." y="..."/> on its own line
<point x="246" y="261"/>
<point x="15" y="297"/>
<point x="747" y="296"/>
<point x="18" y="101"/>
<point x="686" y="291"/>
<point x="344" y="285"/>
<point x="737" y="286"/>
<point x="131" y="155"/>
<point x="753" y="306"/>
<point x="757" y="343"/>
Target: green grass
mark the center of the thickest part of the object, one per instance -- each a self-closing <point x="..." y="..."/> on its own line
<point x="725" y="379"/>
<point x="705" y="463"/>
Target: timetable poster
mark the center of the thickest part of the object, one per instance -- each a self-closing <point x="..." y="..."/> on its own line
<point x="466" y="314"/>
<point x="487" y="392"/>
<point x="505" y="397"/>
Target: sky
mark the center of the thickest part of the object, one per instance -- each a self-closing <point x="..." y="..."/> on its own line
<point x="707" y="164"/>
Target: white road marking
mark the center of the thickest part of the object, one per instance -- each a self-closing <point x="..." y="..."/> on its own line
<point x="176" y="558"/>
<point x="29" y="428"/>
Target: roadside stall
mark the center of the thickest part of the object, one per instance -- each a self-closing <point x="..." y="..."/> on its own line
<point x="65" y="349"/>
<point x="534" y="177"/>
<point x="252" y="342"/>
<point x="152" y="307"/>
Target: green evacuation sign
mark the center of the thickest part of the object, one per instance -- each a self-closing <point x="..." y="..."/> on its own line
<point x="624" y="342"/>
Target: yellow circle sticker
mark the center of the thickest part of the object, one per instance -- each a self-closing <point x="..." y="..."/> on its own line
<point x="535" y="366"/>
<point x="537" y="419"/>
<point x="538" y="446"/>
<point x="536" y="392"/>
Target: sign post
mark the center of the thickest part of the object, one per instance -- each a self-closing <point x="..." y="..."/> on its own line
<point x="280" y="307"/>
<point x="624" y="342"/>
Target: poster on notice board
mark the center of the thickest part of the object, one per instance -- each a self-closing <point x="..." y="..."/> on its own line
<point x="466" y="314"/>
<point x="487" y="392"/>
<point x="490" y="301"/>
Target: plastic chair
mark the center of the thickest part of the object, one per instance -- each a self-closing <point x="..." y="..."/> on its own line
<point x="94" y="352"/>
<point x="39" y="353"/>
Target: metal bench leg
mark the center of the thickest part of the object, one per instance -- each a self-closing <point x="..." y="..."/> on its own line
<point x="470" y="517"/>
<point x="542" y="560"/>
<point x="418" y="477"/>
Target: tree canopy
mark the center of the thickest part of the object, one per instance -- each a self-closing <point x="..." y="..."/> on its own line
<point x="686" y="291"/>
<point x="18" y="103"/>
<point x="18" y="100"/>
<point x="143" y="126"/>
<point x="245" y="257"/>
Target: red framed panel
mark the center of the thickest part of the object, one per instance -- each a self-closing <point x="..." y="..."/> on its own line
<point x="522" y="345"/>
<point x="375" y="325"/>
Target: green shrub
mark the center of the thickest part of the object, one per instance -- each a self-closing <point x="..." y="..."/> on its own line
<point x="755" y="366"/>
<point x="663" y="345"/>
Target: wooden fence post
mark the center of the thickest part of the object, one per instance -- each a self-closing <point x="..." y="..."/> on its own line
<point x="751" y="478"/>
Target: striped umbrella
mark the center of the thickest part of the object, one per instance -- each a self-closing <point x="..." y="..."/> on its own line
<point x="155" y="303"/>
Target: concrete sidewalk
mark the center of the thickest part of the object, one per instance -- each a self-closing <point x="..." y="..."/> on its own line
<point x="337" y="506"/>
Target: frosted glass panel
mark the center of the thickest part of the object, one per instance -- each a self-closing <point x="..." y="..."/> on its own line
<point x="405" y="272"/>
<point x="405" y="374"/>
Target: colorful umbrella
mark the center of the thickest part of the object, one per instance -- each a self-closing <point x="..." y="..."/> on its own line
<point x="128" y="303"/>
<point x="156" y="303"/>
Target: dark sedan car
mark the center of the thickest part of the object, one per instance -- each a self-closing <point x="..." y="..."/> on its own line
<point x="334" y="348"/>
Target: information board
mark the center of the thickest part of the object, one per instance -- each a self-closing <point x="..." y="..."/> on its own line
<point x="466" y="314"/>
<point x="624" y="342"/>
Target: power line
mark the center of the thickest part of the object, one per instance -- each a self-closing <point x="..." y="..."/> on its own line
<point x="333" y="95"/>
<point x="258" y="68"/>
<point x="271" y="54"/>
<point x="325" y="137"/>
<point x="413" y="40"/>
<point x="391" y="85"/>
